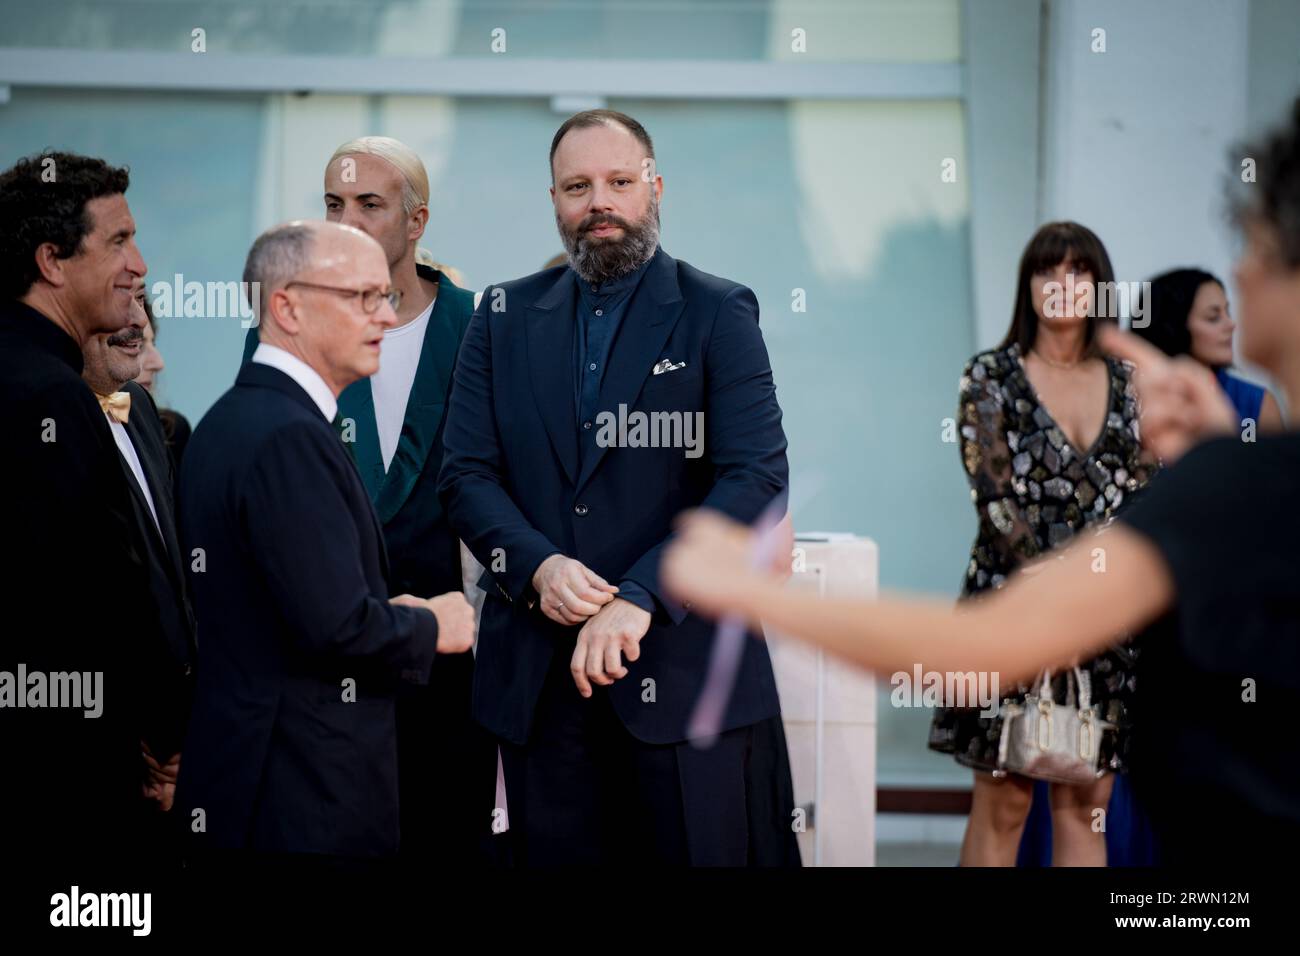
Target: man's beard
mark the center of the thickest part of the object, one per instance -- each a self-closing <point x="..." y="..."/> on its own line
<point x="600" y="260"/>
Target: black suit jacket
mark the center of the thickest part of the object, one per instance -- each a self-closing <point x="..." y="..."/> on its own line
<point x="293" y="596"/>
<point x="171" y="684"/>
<point x="423" y="550"/>
<point x="513" y="479"/>
<point x="74" y="585"/>
<point x="438" y="740"/>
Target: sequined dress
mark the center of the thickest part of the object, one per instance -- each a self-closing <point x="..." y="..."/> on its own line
<point x="1033" y="491"/>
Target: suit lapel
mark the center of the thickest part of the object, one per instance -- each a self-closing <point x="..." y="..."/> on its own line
<point x="427" y="401"/>
<point x="136" y="491"/>
<point x="550" y="330"/>
<point x="357" y="402"/>
<point x="651" y="315"/>
<point x="352" y="460"/>
<point x="153" y="469"/>
<point x="255" y="375"/>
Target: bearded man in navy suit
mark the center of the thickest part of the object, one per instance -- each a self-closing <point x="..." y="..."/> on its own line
<point x="592" y="403"/>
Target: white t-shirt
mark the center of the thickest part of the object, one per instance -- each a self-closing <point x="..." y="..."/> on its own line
<point x="399" y="356"/>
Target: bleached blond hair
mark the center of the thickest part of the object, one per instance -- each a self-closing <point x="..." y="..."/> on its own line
<point x="415" y="181"/>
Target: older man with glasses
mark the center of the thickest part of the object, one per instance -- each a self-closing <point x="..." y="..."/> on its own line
<point x="292" y="749"/>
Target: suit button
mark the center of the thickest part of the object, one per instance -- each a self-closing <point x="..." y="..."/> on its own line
<point x="579" y="509"/>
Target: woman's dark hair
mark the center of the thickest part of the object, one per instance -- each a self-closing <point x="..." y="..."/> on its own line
<point x="1273" y="197"/>
<point x="1051" y="245"/>
<point x="43" y="199"/>
<point x="1166" y="310"/>
<point x="148" y="312"/>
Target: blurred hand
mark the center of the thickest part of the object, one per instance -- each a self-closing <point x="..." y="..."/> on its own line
<point x="1179" y="399"/>
<point x="612" y="633"/>
<point x="710" y="564"/>
<point x="569" y="591"/>
<point x="783" y="552"/>
<point x="455" y="622"/>
<point x="160" y="782"/>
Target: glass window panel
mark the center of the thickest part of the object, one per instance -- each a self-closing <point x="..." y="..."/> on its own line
<point x="843" y="30"/>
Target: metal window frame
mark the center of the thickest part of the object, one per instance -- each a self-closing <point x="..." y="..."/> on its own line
<point x="479" y="76"/>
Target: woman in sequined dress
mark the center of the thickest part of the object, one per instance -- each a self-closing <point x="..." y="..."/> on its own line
<point x="1050" y="446"/>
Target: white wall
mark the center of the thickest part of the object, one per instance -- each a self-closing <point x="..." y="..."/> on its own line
<point x="1003" y="62"/>
<point x="1136" y="139"/>
<point x="1274" y="61"/>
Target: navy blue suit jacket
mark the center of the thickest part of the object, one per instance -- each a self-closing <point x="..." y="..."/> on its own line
<point x="517" y="488"/>
<point x="293" y="600"/>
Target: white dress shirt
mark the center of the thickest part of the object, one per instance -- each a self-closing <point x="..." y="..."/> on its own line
<point x="302" y="373"/>
<point x="133" y="462"/>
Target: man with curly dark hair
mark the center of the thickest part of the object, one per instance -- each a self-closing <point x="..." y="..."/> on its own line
<point x="80" y="642"/>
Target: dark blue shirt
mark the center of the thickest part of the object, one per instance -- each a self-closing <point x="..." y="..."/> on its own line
<point x="600" y="310"/>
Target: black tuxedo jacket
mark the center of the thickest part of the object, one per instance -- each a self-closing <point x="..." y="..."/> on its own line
<point x="513" y="479"/>
<point x="75" y="588"/>
<point x="171" y="685"/>
<point x="291" y="746"/>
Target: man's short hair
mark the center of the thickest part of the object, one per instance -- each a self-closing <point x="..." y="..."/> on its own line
<point x="43" y="199"/>
<point x="277" y="257"/>
<point x="589" y="118"/>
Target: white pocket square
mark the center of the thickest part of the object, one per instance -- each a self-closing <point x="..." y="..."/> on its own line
<point x="666" y="366"/>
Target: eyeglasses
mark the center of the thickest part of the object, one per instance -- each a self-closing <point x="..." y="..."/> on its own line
<point x="370" y="298"/>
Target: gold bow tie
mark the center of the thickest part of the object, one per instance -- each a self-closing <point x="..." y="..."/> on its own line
<point x="117" y="406"/>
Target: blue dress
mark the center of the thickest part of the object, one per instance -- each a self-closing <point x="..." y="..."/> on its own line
<point x="1129" y="838"/>
<point x="1245" y="397"/>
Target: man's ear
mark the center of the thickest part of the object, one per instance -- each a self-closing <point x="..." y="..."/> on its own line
<point x="50" y="265"/>
<point x="283" y="313"/>
<point x="415" y="225"/>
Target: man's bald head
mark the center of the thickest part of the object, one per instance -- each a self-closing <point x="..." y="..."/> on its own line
<point x="284" y="252"/>
<point x="313" y="280"/>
